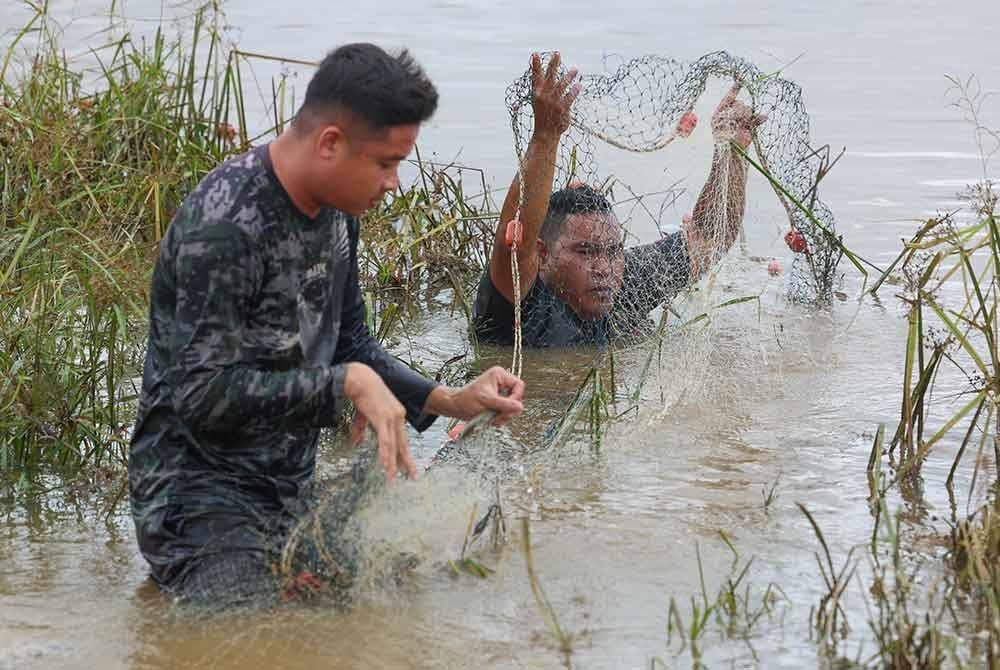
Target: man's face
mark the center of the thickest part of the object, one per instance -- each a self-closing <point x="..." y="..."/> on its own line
<point x="586" y="263"/>
<point x="358" y="165"/>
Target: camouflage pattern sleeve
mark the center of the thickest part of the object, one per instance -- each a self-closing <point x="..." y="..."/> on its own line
<point x="357" y="344"/>
<point x="217" y="272"/>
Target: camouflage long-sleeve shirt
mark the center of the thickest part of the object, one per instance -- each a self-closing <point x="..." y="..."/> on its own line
<point x="254" y="311"/>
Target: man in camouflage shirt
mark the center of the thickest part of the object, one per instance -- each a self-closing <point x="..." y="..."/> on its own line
<point x="257" y="334"/>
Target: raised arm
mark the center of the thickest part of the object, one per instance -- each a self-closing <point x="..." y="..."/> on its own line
<point x="718" y="212"/>
<point x="551" y="99"/>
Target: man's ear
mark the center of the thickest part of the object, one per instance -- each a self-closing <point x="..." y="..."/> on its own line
<point x="542" y="250"/>
<point x="329" y="142"/>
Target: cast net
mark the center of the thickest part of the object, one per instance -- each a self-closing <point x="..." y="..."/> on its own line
<point x="646" y="106"/>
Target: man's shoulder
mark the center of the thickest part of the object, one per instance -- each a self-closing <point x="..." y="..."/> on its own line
<point x="231" y="199"/>
<point x="493" y="314"/>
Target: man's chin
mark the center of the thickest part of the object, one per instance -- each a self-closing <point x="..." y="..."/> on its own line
<point x="353" y="208"/>
<point x="596" y="311"/>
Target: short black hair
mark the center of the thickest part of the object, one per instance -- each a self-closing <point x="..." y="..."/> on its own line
<point x="379" y="88"/>
<point x="571" y="200"/>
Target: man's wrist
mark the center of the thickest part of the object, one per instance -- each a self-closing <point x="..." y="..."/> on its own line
<point x="546" y="138"/>
<point x="441" y="401"/>
<point x="353" y="379"/>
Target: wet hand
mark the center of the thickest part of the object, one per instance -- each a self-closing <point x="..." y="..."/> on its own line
<point x="495" y="390"/>
<point x="377" y="407"/>
<point x="552" y="96"/>
<point x="733" y="121"/>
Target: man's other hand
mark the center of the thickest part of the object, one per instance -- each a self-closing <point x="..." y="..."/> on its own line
<point x="495" y="390"/>
<point x="733" y="121"/>
<point x="552" y="97"/>
<point x="377" y="406"/>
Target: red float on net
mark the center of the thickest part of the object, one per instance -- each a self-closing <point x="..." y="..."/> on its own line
<point x="456" y="431"/>
<point x="687" y="124"/>
<point x="796" y="241"/>
<point x="514" y="234"/>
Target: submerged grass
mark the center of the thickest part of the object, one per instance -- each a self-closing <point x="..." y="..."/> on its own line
<point x="735" y="610"/>
<point x="94" y="160"/>
<point x="949" y="275"/>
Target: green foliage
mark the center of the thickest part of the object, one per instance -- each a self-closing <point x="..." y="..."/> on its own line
<point x="949" y="276"/>
<point x="90" y="181"/>
<point x="735" y="609"/>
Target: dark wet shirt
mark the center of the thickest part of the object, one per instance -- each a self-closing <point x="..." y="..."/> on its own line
<point x="654" y="273"/>
<point x="254" y="311"/>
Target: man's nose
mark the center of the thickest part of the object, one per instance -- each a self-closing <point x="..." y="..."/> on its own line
<point x="392" y="183"/>
<point x="600" y="265"/>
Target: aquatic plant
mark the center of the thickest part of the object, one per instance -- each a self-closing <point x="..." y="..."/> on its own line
<point x="563" y="638"/>
<point x="949" y="276"/>
<point x="735" y="609"/>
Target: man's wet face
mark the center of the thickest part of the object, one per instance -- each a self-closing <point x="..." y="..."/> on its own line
<point x="586" y="263"/>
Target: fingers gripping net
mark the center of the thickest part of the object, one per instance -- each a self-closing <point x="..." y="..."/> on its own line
<point x="641" y="107"/>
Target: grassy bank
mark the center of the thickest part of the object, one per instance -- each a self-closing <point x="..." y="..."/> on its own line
<point x="94" y="163"/>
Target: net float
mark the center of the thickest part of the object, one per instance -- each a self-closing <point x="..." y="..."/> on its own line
<point x="796" y="241"/>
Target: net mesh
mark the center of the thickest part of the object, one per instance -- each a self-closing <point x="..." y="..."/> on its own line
<point x="357" y="536"/>
<point x="645" y="105"/>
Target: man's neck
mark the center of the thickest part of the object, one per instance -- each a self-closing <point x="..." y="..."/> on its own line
<point x="287" y="169"/>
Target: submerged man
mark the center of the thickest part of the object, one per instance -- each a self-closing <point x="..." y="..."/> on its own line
<point x="578" y="283"/>
<point x="257" y="334"/>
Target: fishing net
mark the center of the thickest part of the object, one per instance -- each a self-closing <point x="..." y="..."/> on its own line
<point x="646" y="105"/>
<point x="360" y="536"/>
<point x="625" y="126"/>
<point x="310" y="552"/>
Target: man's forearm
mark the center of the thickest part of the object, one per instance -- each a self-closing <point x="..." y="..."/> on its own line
<point x="356" y="344"/>
<point x="718" y="213"/>
<point x="441" y="401"/>
<point x="737" y="196"/>
<point x="225" y="398"/>
<point x="539" y="171"/>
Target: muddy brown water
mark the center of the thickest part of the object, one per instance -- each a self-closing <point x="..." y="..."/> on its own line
<point x="793" y="396"/>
